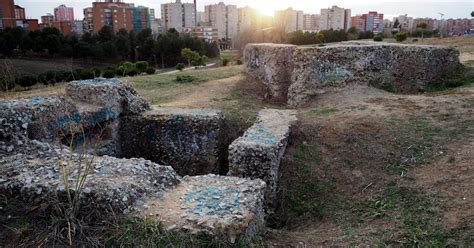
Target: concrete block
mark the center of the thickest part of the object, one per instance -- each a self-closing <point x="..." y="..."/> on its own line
<point x="190" y="140"/>
<point x="310" y="71"/>
<point x="258" y="153"/>
<point x="228" y="208"/>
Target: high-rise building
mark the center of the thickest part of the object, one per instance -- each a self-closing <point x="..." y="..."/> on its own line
<point x="372" y="22"/>
<point x="335" y="18"/>
<point x="88" y="21"/>
<point x="19" y="13"/>
<point x="178" y="15"/>
<point x="405" y="23"/>
<point x="248" y="19"/>
<point x="63" y="13"/>
<point x="358" y="22"/>
<point x="224" y="18"/>
<point x="310" y="23"/>
<point x="47" y="20"/>
<point x="7" y="14"/>
<point x="113" y="13"/>
<point x="289" y="20"/>
<point x="141" y="18"/>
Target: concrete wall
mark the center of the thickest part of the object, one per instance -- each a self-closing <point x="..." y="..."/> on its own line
<point x="313" y="70"/>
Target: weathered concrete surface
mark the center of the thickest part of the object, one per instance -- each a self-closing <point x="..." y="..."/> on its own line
<point x="258" y="153"/>
<point x="190" y="140"/>
<point x="224" y="207"/>
<point x="89" y="109"/>
<point x="35" y="174"/>
<point x="271" y="64"/>
<point x="399" y="68"/>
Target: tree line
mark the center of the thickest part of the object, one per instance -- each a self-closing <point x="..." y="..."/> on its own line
<point x="300" y="37"/>
<point x="164" y="50"/>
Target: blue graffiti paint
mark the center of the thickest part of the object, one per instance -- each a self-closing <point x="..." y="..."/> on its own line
<point x="104" y="114"/>
<point x="260" y="134"/>
<point x="212" y="200"/>
<point x="36" y="100"/>
<point x="150" y="131"/>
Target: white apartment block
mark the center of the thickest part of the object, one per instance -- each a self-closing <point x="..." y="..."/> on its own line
<point x="178" y="15"/>
<point x="289" y="20"/>
<point x="405" y="23"/>
<point x="224" y="18"/>
<point x="310" y="23"/>
<point x="248" y="19"/>
<point x="335" y="18"/>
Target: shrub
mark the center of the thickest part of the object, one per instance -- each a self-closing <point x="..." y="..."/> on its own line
<point x="27" y="80"/>
<point x="185" y="78"/>
<point x="415" y="40"/>
<point x="150" y="71"/>
<point x="239" y="62"/>
<point x="401" y="36"/>
<point x="180" y="66"/>
<point x="132" y="72"/>
<point x="198" y="61"/>
<point x="120" y="70"/>
<point x="141" y="66"/>
<point x="109" y="73"/>
<point x="97" y="72"/>
<point x="49" y="77"/>
<point x="85" y="74"/>
<point x="6" y="83"/>
<point x="378" y="38"/>
<point x="225" y="62"/>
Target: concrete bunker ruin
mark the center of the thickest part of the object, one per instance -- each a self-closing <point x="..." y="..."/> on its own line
<point x="298" y="73"/>
<point x="160" y="162"/>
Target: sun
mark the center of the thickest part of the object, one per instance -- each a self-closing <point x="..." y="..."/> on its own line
<point x="265" y="8"/>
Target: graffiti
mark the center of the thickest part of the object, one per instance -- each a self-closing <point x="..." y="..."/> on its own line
<point x="260" y="134"/>
<point x="212" y="200"/>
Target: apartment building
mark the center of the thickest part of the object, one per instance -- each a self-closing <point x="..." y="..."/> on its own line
<point x="7" y="14"/>
<point x="289" y="20"/>
<point x="47" y="20"/>
<point x="178" y="15"/>
<point x="63" y="13"/>
<point x="248" y="19"/>
<point x="405" y="23"/>
<point x="141" y="18"/>
<point x="310" y="23"/>
<point x="224" y="18"/>
<point x="19" y="12"/>
<point x="113" y="13"/>
<point x="335" y="18"/>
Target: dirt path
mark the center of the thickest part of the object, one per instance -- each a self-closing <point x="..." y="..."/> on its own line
<point x="202" y="95"/>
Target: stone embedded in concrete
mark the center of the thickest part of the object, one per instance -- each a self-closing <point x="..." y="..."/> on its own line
<point x="228" y="208"/>
<point x="190" y="140"/>
<point x="270" y="63"/>
<point x="400" y="68"/>
<point x="112" y="95"/>
<point x="258" y="153"/>
<point x="35" y="173"/>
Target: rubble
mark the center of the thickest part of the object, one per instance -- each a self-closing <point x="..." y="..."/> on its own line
<point x="258" y="153"/>
<point x="229" y="208"/>
<point x="400" y="68"/>
<point x="190" y="140"/>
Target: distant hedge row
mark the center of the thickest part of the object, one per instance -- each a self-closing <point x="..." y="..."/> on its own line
<point x="52" y="77"/>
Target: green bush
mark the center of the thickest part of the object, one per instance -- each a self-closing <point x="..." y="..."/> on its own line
<point x="401" y="36"/>
<point x="27" y="80"/>
<point x="132" y="72"/>
<point x="120" y="70"/>
<point x="109" y="73"/>
<point x="97" y="72"/>
<point x="6" y="83"/>
<point x="239" y="62"/>
<point x="378" y="38"/>
<point x="150" y="71"/>
<point x="185" y="78"/>
<point x="141" y="66"/>
<point x="415" y="40"/>
<point x="198" y="61"/>
<point x="85" y="74"/>
<point x="180" y="66"/>
<point x="225" y="62"/>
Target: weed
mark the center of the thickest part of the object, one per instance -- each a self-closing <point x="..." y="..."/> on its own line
<point x="186" y="79"/>
<point x="324" y="111"/>
<point x="461" y="77"/>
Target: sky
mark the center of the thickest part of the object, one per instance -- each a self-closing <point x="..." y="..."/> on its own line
<point x="390" y="9"/>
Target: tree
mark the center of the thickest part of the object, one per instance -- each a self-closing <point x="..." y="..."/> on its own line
<point x="423" y="26"/>
<point x="472" y="13"/>
<point x="189" y="55"/>
<point x="401" y="36"/>
<point x="396" y="24"/>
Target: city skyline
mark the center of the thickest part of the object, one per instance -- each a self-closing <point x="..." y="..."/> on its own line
<point x="430" y="9"/>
